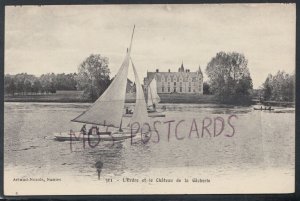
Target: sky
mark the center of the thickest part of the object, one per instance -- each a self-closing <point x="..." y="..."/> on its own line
<point x="44" y="39"/>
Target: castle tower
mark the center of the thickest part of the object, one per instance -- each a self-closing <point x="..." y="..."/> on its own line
<point x="199" y="71"/>
<point x="181" y="69"/>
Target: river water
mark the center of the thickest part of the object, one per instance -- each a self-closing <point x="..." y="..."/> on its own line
<point x="250" y="142"/>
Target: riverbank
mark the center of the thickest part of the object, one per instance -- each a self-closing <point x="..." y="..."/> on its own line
<point x="59" y="97"/>
<point x="70" y="99"/>
<point x="76" y="97"/>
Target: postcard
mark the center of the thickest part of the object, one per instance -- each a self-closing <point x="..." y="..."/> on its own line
<point x="149" y="99"/>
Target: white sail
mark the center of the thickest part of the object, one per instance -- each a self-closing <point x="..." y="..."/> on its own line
<point x="140" y="113"/>
<point x="153" y="97"/>
<point x="108" y="108"/>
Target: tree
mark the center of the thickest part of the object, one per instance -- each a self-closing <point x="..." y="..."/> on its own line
<point x="9" y="85"/>
<point x="36" y="87"/>
<point x="93" y="76"/>
<point x="206" y="88"/>
<point x="279" y="87"/>
<point x="229" y="77"/>
<point x="27" y="86"/>
<point x="19" y="81"/>
<point x="267" y="88"/>
<point x="48" y="82"/>
<point x="23" y="82"/>
<point x="66" y="81"/>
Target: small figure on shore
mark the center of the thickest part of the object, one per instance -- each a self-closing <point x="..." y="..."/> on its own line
<point x="99" y="166"/>
<point x="261" y="108"/>
<point x="83" y="129"/>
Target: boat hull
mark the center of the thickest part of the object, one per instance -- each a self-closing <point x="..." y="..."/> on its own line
<point x="262" y="109"/>
<point x="103" y="136"/>
<point x="149" y="115"/>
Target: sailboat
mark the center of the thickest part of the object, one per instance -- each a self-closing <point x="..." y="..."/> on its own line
<point x="107" y="110"/>
<point x="152" y="100"/>
<point x="152" y="96"/>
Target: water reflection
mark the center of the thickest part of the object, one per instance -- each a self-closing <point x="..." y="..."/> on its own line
<point x="262" y="139"/>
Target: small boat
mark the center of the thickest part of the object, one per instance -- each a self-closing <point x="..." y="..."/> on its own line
<point x="107" y="110"/>
<point x="263" y="109"/>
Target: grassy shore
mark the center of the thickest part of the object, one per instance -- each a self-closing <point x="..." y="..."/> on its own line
<point x="187" y="98"/>
<point x="59" y="96"/>
<point x="76" y="96"/>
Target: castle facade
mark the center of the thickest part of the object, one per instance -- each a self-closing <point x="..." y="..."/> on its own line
<point x="182" y="81"/>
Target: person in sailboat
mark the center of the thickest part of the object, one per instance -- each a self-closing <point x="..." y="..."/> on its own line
<point x="154" y="107"/>
<point x="83" y="129"/>
<point x="128" y="111"/>
<point x="93" y="129"/>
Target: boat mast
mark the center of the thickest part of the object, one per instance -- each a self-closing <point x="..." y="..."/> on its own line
<point x="120" y="129"/>
<point x="151" y="93"/>
<point x="128" y="52"/>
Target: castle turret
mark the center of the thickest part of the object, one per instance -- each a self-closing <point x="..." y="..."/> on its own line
<point x="199" y="71"/>
<point x="181" y="69"/>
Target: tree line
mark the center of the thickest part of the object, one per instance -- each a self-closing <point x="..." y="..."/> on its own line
<point x="92" y="78"/>
<point x="24" y="84"/>
<point x="228" y="74"/>
<point x="230" y="81"/>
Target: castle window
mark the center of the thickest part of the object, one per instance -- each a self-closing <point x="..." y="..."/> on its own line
<point x="180" y="89"/>
<point x="163" y="89"/>
<point x="168" y="89"/>
<point x="189" y="89"/>
<point x="175" y="89"/>
<point x="174" y="83"/>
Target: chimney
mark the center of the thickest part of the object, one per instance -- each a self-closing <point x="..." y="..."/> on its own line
<point x="157" y="70"/>
<point x="169" y="70"/>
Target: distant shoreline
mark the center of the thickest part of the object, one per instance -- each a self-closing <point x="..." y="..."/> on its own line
<point x="65" y="99"/>
<point x="165" y="98"/>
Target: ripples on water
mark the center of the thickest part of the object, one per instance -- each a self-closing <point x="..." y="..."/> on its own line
<point x="263" y="139"/>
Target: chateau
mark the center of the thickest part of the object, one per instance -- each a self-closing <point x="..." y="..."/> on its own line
<point x="182" y="81"/>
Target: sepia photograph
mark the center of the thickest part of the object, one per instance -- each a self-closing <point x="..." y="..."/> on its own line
<point x="149" y="99"/>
